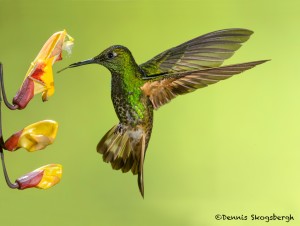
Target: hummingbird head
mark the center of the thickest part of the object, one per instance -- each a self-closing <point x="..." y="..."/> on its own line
<point x="115" y="58"/>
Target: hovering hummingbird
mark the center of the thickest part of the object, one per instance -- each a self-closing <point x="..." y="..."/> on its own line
<point x="138" y="89"/>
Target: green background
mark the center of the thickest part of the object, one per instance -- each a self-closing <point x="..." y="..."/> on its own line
<point x="231" y="148"/>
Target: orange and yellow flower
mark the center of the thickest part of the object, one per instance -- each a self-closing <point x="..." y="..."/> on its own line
<point x="39" y="77"/>
<point x="34" y="137"/>
<point x="43" y="177"/>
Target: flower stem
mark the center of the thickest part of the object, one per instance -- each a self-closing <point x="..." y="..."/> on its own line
<point x="8" y="182"/>
<point x="9" y="105"/>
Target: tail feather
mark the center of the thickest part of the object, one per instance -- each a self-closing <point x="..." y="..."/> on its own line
<point x="128" y="164"/>
<point x="117" y="164"/>
<point x="102" y="145"/>
<point x="124" y="148"/>
<point x="135" y="168"/>
<point x="121" y="149"/>
<point x="141" y="182"/>
<point x="141" y="168"/>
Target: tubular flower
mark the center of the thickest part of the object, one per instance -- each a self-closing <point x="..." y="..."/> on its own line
<point x="39" y="77"/>
<point x="34" y="137"/>
<point x="43" y="177"/>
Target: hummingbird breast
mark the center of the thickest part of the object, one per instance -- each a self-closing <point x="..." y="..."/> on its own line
<point x="134" y="110"/>
<point x="131" y="105"/>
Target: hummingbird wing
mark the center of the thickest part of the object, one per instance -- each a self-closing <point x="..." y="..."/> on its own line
<point x="162" y="89"/>
<point x="200" y="53"/>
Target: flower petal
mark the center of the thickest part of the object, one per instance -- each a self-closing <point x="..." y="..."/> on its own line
<point x="30" y="180"/>
<point x="34" y="137"/>
<point x="52" y="175"/>
<point x="11" y="144"/>
<point x="25" y="94"/>
<point x="39" y="77"/>
<point x="43" y="177"/>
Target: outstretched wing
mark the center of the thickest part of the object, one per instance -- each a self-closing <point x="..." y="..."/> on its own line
<point x="200" y="53"/>
<point x="162" y="89"/>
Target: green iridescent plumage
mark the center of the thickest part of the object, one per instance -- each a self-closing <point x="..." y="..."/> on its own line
<point x="137" y="90"/>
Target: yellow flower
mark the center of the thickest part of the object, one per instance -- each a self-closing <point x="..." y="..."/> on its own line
<point x="39" y="77"/>
<point x="43" y="177"/>
<point x="34" y="137"/>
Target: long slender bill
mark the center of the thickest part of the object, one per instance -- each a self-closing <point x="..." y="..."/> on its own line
<point x="85" y="62"/>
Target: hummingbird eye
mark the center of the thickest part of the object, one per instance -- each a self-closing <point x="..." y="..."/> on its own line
<point x="111" y="55"/>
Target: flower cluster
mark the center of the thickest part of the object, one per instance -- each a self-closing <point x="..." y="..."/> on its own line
<point x="37" y="136"/>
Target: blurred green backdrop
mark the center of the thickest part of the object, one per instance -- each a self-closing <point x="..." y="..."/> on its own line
<point x="232" y="148"/>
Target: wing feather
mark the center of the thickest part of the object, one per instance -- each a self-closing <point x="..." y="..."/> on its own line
<point x="206" y="51"/>
<point x="163" y="89"/>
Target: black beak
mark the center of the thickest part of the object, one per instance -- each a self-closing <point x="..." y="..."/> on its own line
<point x="89" y="61"/>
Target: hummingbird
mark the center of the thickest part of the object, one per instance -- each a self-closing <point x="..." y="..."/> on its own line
<point x="137" y="90"/>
